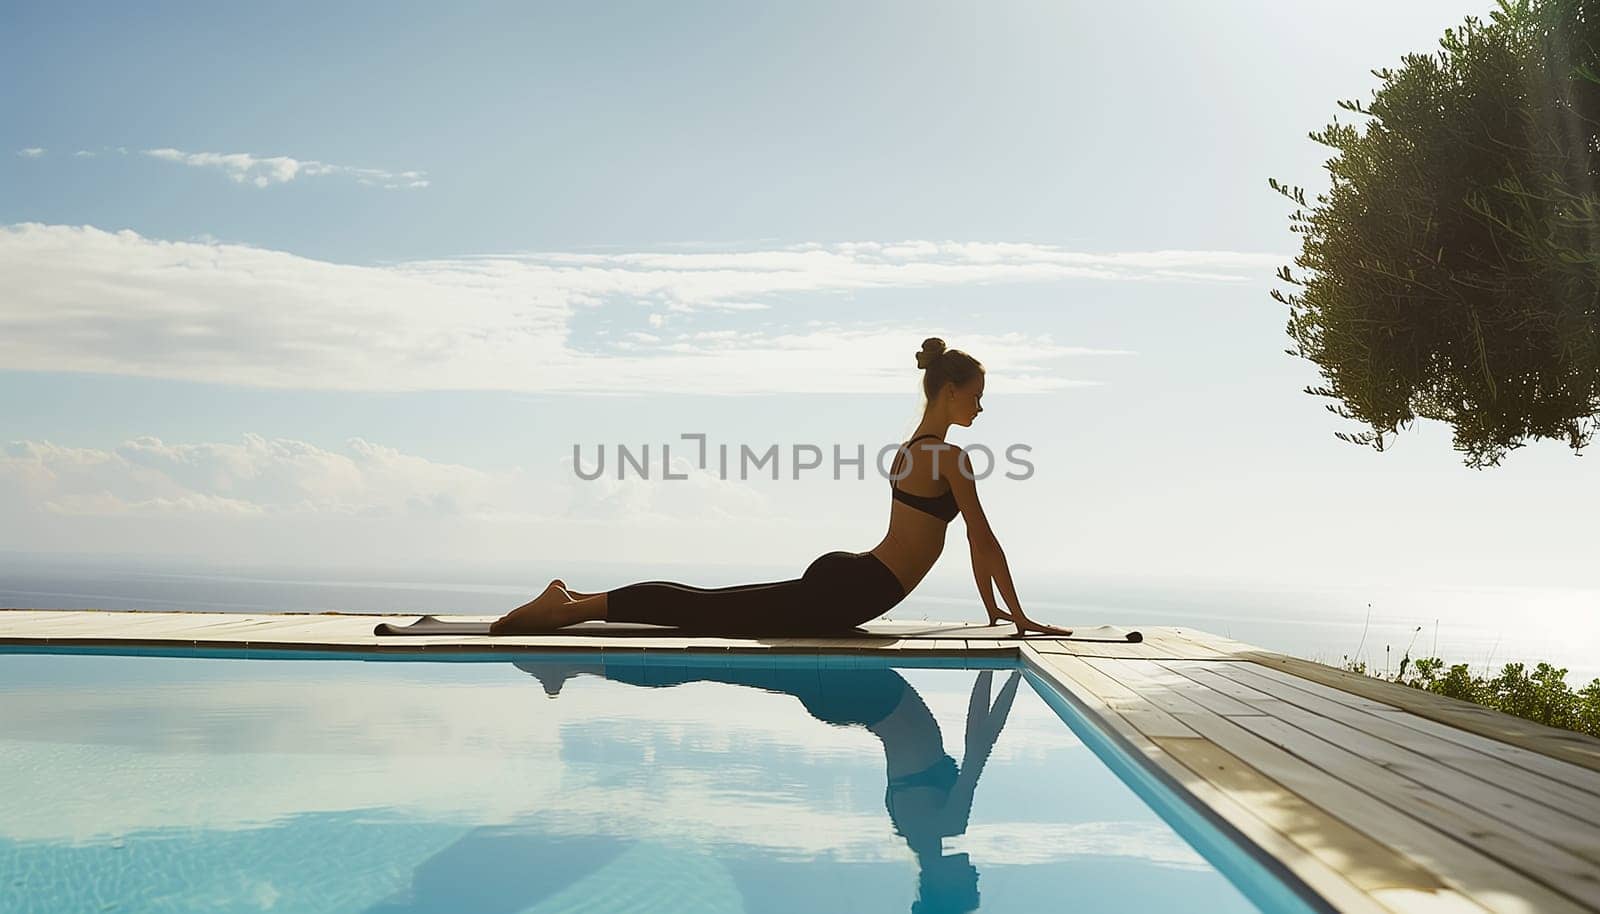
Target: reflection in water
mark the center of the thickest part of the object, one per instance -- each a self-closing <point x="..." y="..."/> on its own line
<point x="928" y="795"/>
<point x="163" y="785"/>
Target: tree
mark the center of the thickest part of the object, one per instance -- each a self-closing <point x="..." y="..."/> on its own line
<point x="1452" y="269"/>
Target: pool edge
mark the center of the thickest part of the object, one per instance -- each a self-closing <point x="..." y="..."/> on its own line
<point x="1180" y="807"/>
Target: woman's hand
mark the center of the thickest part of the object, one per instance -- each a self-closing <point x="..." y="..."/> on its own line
<point x="990" y="569"/>
<point x="984" y="721"/>
<point x="989" y="561"/>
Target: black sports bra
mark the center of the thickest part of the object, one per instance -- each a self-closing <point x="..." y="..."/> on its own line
<point x="941" y="506"/>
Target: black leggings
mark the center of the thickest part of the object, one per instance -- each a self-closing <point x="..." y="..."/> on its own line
<point x="839" y="590"/>
<point x="837" y="696"/>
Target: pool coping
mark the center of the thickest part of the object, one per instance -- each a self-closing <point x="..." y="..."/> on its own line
<point x="1367" y="796"/>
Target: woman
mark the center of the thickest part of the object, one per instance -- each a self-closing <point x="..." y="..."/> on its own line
<point x="839" y="590"/>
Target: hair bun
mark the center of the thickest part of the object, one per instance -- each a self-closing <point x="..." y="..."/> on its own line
<point x="932" y="348"/>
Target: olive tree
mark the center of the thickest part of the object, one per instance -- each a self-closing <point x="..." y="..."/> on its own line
<point x="1452" y="269"/>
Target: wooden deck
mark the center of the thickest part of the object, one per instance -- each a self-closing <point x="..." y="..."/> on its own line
<point x="1378" y="797"/>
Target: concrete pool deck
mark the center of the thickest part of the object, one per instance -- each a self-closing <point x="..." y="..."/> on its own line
<point x="1378" y="797"/>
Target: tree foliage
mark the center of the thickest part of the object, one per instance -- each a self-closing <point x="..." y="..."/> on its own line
<point x="1452" y="269"/>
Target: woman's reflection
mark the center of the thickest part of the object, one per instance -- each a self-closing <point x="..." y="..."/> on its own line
<point x="499" y="870"/>
<point x="928" y="796"/>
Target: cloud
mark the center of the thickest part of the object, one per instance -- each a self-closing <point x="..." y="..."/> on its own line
<point x="751" y="322"/>
<point x="280" y="478"/>
<point x="364" y="502"/>
<point x="256" y="477"/>
<point x="32" y="152"/>
<point x="265" y="171"/>
<point x="403" y="739"/>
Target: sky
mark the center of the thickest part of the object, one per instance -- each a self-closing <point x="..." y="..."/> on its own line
<point x="346" y="286"/>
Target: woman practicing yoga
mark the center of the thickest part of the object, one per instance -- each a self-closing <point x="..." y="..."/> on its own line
<point x="839" y="590"/>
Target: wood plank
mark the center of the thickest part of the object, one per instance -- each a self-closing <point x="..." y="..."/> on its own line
<point x="1106" y="688"/>
<point x="1326" y="690"/>
<point x="1150" y="720"/>
<point x="1216" y="679"/>
<point x="228" y="632"/>
<point x="1525" y="750"/>
<point x="913" y="629"/>
<point x="1426" y="750"/>
<point x="1185" y="650"/>
<point x="1366" y="863"/>
<point x="312" y="631"/>
<point x="559" y="643"/>
<point x="1107" y="649"/>
<point x="136" y="621"/>
<point x="964" y="630"/>
<point x="1222" y="646"/>
<point x="828" y="644"/>
<point x="1522" y="819"/>
<point x="1537" y="861"/>
<point x="1425" y="902"/>
<point x="796" y="645"/>
<point x="986" y="647"/>
<point x="1158" y="643"/>
<point x="1239" y="811"/>
<point x="1081" y="648"/>
<point x="1457" y="863"/>
<point x="121" y="626"/>
<point x="1455" y="858"/>
<point x="1129" y="673"/>
<point x="212" y="621"/>
<point x="36" y="623"/>
<point x="1154" y="675"/>
<point x="1177" y="647"/>
<point x="1576" y="748"/>
<point x="922" y="647"/>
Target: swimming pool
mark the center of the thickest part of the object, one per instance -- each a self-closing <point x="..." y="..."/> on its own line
<point x="145" y="782"/>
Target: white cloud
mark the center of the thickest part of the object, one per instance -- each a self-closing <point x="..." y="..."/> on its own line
<point x="32" y="152"/>
<point x="363" y="502"/>
<point x="264" y="171"/>
<point x="258" y="476"/>
<point x="83" y="299"/>
<point x="274" y="479"/>
<point x="404" y="739"/>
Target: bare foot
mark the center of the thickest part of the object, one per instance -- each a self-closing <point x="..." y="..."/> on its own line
<point x="553" y="674"/>
<point x="575" y="594"/>
<point x="548" y="611"/>
<point x="999" y="614"/>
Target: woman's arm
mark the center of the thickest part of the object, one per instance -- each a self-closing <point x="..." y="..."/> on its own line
<point x="984" y="723"/>
<point x="989" y="564"/>
<point x="986" y="552"/>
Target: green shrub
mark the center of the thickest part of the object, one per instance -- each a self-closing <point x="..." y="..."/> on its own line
<point x="1542" y="695"/>
<point x="1589" y="709"/>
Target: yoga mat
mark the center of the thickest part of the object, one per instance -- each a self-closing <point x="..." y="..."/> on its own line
<point x="1114" y="634"/>
<point x="431" y="626"/>
<point x="1005" y="631"/>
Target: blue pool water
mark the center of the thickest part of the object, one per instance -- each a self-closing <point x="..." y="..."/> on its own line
<point x="546" y="783"/>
